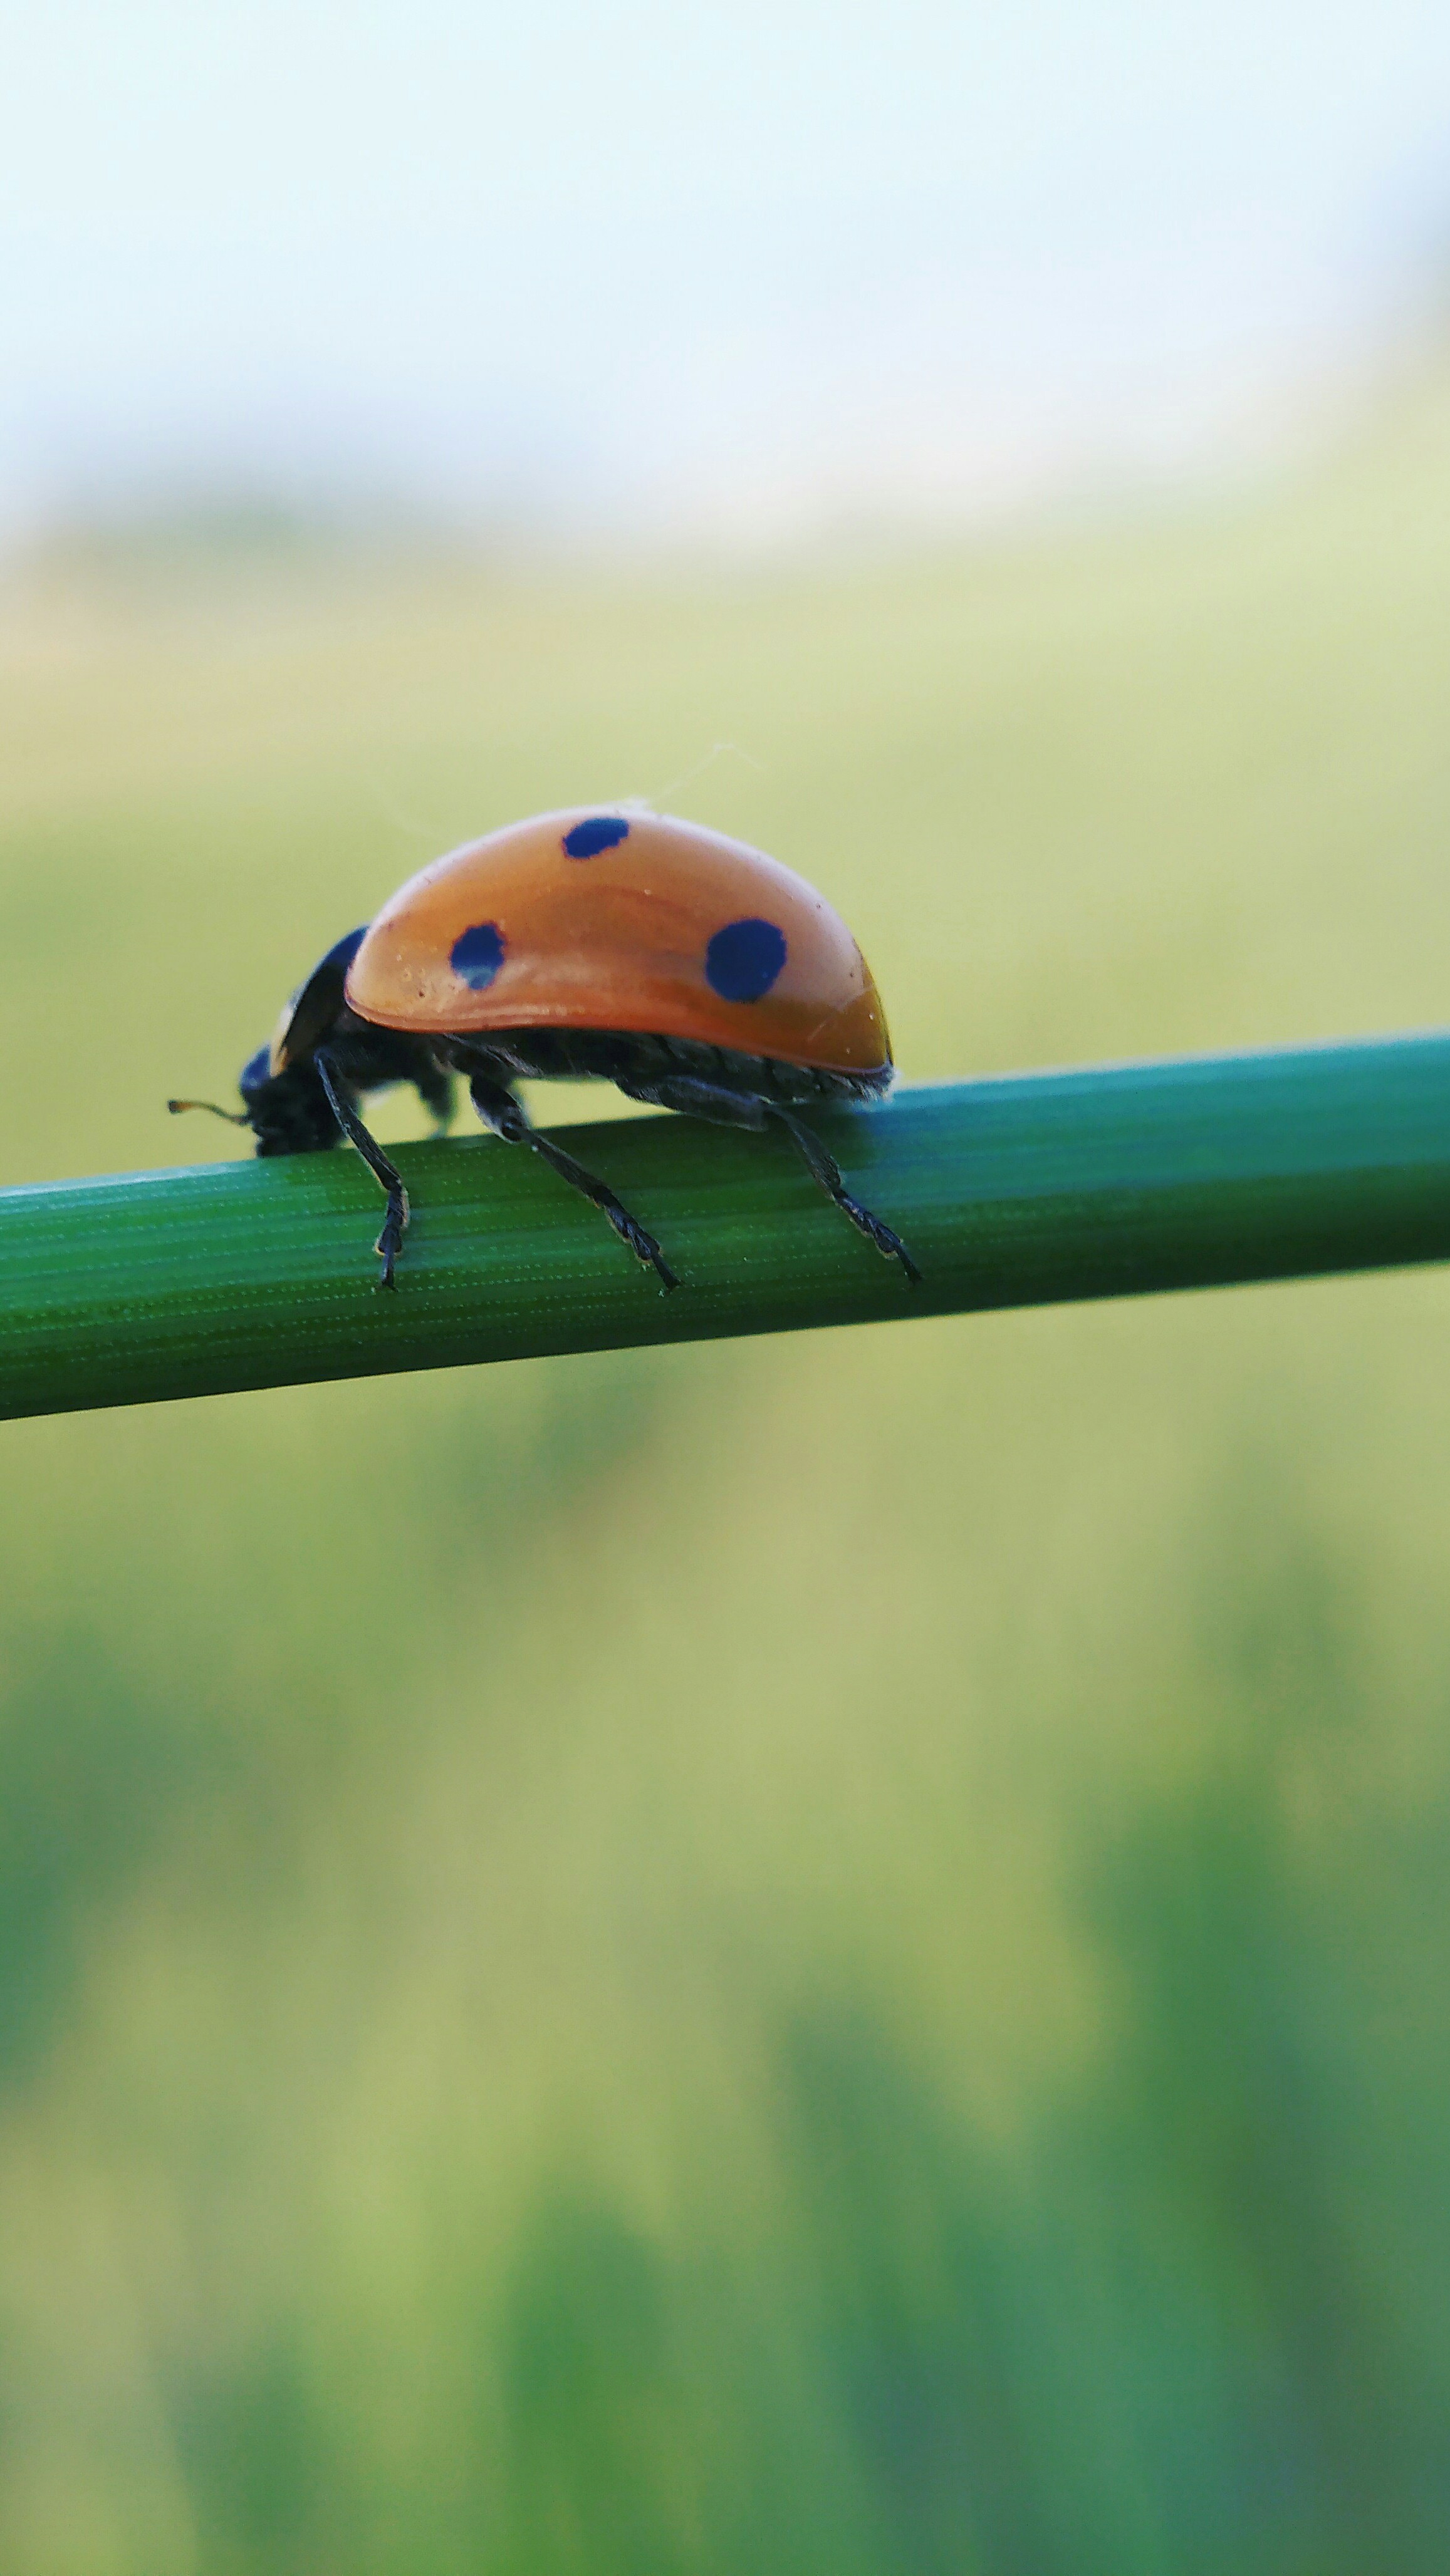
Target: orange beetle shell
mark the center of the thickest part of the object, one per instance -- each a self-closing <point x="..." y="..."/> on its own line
<point x="592" y="919"/>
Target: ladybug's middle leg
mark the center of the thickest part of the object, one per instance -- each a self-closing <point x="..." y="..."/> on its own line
<point x="390" y="1241"/>
<point x="499" y="1110"/>
<point x="697" y="1099"/>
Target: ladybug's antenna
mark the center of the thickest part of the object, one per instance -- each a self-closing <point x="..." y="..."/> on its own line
<point x="233" y="1117"/>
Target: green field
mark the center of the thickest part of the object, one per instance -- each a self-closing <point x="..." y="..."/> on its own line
<point x="823" y="1958"/>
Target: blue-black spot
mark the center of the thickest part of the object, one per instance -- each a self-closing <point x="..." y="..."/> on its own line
<point x="601" y="832"/>
<point x="477" y="955"/>
<point x="744" y="959"/>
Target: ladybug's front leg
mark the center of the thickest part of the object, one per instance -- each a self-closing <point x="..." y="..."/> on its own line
<point x="390" y="1241"/>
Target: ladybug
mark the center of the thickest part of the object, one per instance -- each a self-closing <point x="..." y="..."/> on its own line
<point x="691" y="971"/>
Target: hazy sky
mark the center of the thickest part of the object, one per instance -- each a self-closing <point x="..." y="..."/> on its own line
<point x="734" y="269"/>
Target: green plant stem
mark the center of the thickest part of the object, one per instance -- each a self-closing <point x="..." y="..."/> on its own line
<point x="1099" y="1183"/>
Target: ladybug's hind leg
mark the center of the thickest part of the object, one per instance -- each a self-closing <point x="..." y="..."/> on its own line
<point x="499" y="1110"/>
<point x="390" y="1241"/>
<point x="824" y="1168"/>
<point x="697" y="1099"/>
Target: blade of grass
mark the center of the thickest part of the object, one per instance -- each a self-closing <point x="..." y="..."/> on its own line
<point x="1098" y="1183"/>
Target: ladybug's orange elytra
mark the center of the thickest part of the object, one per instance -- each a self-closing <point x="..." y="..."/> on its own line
<point x="583" y="920"/>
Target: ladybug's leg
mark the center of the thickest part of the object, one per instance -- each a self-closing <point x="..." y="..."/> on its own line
<point x="710" y="1100"/>
<point x="827" y="1171"/>
<point x="434" y="1086"/>
<point x="499" y="1110"/>
<point x="390" y="1241"/>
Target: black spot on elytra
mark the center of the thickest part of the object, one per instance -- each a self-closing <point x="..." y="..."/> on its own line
<point x="744" y="959"/>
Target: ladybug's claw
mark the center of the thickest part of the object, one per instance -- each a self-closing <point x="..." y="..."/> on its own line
<point x="889" y="1245"/>
<point x="390" y="1242"/>
<point x="642" y="1245"/>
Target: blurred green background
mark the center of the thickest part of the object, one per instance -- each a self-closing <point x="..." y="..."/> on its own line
<point x="824" y="1956"/>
